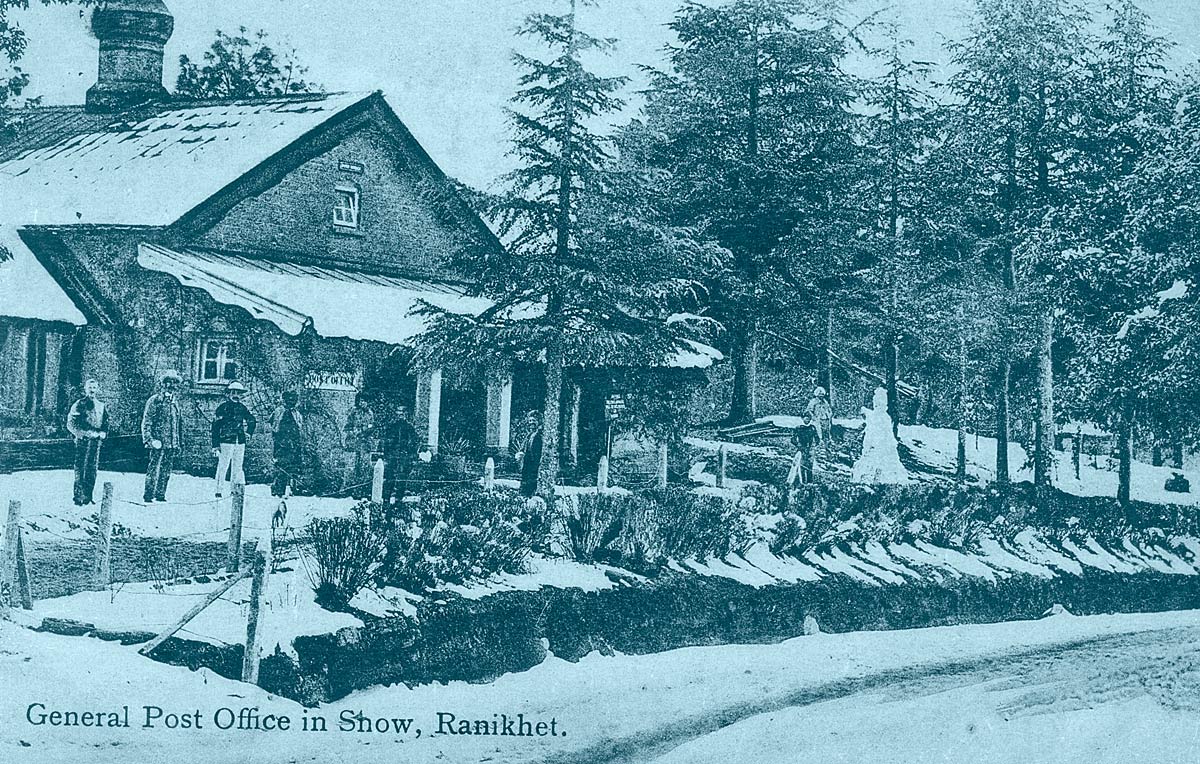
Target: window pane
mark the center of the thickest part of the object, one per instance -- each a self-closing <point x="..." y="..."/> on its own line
<point x="345" y="210"/>
<point x="230" y="370"/>
<point x="210" y="370"/>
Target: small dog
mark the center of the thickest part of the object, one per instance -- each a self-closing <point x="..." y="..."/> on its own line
<point x="279" y="519"/>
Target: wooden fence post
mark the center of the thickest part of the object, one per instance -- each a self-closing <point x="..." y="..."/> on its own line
<point x="261" y="569"/>
<point x="602" y="474"/>
<point x="662" y="464"/>
<point x="103" y="567"/>
<point x="23" y="575"/>
<point x="377" y="482"/>
<point x="489" y="475"/>
<point x="234" y="553"/>
<point x="722" y="464"/>
<point x="8" y="563"/>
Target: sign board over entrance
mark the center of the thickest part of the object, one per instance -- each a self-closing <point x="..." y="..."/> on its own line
<point x="339" y="381"/>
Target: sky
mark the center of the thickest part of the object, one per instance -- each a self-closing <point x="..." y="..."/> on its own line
<point x="444" y="64"/>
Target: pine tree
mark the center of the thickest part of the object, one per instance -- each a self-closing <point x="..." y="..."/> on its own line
<point x="590" y="270"/>
<point x="755" y="133"/>
<point x="898" y="136"/>
<point x="1109" y="267"/>
<point x="1024" y="95"/>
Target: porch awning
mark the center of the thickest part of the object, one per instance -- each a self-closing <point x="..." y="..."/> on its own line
<point x="336" y="302"/>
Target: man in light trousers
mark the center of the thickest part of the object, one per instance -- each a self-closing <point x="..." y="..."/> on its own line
<point x="232" y="427"/>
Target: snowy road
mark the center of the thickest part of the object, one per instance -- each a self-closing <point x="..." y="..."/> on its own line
<point x="1090" y="689"/>
<point x="1121" y="698"/>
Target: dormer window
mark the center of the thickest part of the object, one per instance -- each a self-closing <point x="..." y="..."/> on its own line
<point x="345" y="209"/>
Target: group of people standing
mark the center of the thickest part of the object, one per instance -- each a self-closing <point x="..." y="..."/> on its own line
<point x="162" y="436"/>
<point x="233" y="425"/>
<point x="815" y="430"/>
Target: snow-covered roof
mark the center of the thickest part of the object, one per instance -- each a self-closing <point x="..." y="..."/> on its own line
<point x="337" y="303"/>
<point x="152" y="170"/>
<point x="64" y="165"/>
<point x="27" y="290"/>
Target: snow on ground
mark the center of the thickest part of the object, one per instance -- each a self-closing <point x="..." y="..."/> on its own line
<point x="603" y="704"/>
<point x="290" y="610"/>
<point x="192" y="511"/>
<point x="939" y="448"/>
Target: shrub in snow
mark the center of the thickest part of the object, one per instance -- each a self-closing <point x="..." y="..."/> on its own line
<point x="649" y="528"/>
<point x="458" y="536"/>
<point x="593" y="523"/>
<point x="346" y="550"/>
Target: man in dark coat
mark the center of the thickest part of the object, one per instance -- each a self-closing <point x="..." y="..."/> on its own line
<point x="288" y="429"/>
<point x="162" y="435"/>
<point x="400" y="443"/>
<point x="804" y="438"/>
<point x="360" y="440"/>
<point x="88" y="423"/>
<point x="531" y="460"/>
<point x="232" y="426"/>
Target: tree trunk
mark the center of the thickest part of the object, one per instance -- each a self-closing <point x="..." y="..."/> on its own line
<point x="1043" y="447"/>
<point x="960" y="464"/>
<point x="1177" y="455"/>
<point x="1124" y="460"/>
<point x="825" y="372"/>
<point x="892" y="363"/>
<point x="1002" y="381"/>
<point x="743" y="409"/>
<point x="551" y="422"/>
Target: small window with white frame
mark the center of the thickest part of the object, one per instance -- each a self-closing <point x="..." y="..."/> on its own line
<point x="345" y="208"/>
<point x="218" y="362"/>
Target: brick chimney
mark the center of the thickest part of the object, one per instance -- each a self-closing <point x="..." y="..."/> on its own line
<point x="132" y="34"/>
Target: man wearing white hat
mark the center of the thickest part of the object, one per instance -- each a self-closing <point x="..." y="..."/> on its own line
<point x="231" y="427"/>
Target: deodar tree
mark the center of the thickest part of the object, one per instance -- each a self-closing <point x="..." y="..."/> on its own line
<point x="589" y="271"/>
<point x="1023" y="105"/>
<point x="754" y="132"/>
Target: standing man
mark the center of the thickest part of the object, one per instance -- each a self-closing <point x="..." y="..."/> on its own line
<point x="821" y="413"/>
<point x="359" y="439"/>
<point x="231" y="428"/>
<point x="288" y="429"/>
<point x="803" y="438"/>
<point x="88" y="423"/>
<point x="400" y="444"/>
<point x="531" y="454"/>
<point x="162" y="435"/>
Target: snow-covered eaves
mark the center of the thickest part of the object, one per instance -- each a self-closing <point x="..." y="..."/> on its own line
<point x="27" y="290"/>
<point x="337" y="302"/>
<point x="153" y="170"/>
<point x="334" y="302"/>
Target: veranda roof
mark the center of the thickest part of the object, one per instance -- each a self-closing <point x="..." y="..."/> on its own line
<point x="335" y="302"/>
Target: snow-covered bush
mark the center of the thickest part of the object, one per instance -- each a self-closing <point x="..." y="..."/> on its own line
<point x="458" y="536"/>
<point x="346" y="550"/>
<point x="649" y="528"/>
<point x="593" y="523"/>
